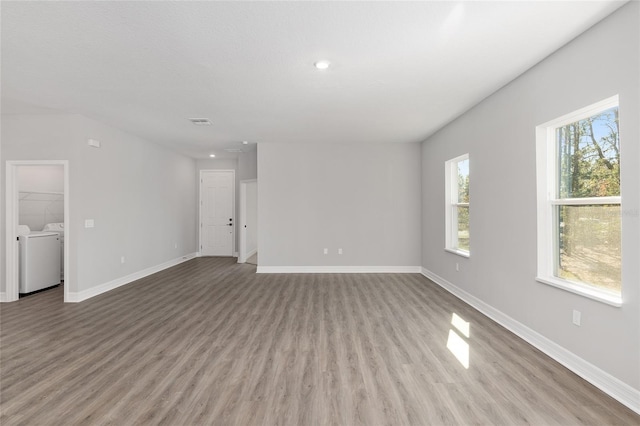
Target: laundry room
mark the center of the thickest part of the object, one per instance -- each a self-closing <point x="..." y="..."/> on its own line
<point x="41" y="226"/>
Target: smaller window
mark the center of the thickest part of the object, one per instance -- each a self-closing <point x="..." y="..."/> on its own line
<point x="457" y="205"/>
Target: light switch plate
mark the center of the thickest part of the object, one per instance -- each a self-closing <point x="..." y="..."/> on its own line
<point x="88" y="223"/>
<point x="577" y="317"/>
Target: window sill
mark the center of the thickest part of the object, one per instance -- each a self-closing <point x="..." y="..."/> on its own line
<point x="582" y="290"/>
<point x="458" y="252"/>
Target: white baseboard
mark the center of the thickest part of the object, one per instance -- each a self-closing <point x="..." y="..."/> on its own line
<point x="609" y="384"/>
<point x="252" y="252"/>
<point x="118" y="282"/>
<point x="338" y="269"/>
<point x="3" y="296"/>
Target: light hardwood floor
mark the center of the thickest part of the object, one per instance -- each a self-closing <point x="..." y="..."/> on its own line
<point x="211" y="342"/>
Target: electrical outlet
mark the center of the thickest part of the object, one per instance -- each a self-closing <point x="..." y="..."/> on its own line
<point x="457" y="267"/>
<point x="326" y="251"/>
<point x="339" y="251"/>
<point x="89" y="223"/>
<point x="122" y="259"/>
<point x="577" y="317"/>
<point x="175" y="245"/>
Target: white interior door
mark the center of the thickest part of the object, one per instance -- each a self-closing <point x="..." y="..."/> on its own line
<point x="217" y="200"/>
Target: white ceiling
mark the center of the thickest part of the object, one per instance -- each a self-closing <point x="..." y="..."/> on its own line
<point x="400" y="70"/>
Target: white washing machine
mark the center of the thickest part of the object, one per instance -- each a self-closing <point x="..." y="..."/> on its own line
<point x="59" y="228"/>
<point x="39" y="260"/>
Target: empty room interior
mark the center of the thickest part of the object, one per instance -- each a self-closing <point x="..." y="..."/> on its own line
<point x="309" y="213"/>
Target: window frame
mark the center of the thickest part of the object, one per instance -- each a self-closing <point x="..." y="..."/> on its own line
<point x="451" y="206"/>
<point x="547" y="189"/>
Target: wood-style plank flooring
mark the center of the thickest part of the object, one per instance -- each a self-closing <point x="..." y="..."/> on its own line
<point x="211" y="342"/>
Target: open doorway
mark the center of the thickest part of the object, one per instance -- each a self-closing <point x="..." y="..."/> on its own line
<point x="37" y="203"/>
<point x="248" y="241"/>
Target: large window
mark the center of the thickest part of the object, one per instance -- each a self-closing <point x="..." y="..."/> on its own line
<point x="457" y="205"/>
<point x="579" y="202"/>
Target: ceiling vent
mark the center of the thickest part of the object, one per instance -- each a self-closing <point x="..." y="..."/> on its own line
<point x="234" y="150"/>
<point x="200" y="121"/>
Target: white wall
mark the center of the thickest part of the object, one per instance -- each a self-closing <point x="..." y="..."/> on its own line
<point x="41" y="195"/>
<point x="363" y="199"/>
<point x="41" y="178"/>
<point x="140" y="195"/>
<point x="248" y="169"/>
<point x="252" y="216"/>
<point x="216" y="164"/>
<point x="499" y="135"/>
<point x="247" y="165"/>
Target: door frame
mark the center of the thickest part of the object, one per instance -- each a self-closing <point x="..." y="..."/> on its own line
<point x="242" y="240"/>
<point x="233" y="208"/>
<point x="12" y="222"/>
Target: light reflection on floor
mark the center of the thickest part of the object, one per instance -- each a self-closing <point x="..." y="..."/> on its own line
<point x="456" y="344"/>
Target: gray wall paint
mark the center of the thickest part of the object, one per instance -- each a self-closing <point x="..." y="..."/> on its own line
<point x="41" y="178"/>
<point x="499" y="135"/>
<point x="252" y="216"/>
<point x="248" y="165"/>
<point x="140" y="195"/>
<point x="40" y="200"/>
<point x="363" y="199"/>
<point x="245" y="166"/>
<point x="248" y="169"/>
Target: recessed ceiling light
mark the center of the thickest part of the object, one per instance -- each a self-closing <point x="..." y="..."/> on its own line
<point x="245" y="142"/>
<point x="200" y="121"/>
<point x="212" y="155"/>
<point x="322" y="65"/>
